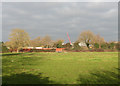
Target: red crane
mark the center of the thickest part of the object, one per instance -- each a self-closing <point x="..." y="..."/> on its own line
<point x="69" y="38"/>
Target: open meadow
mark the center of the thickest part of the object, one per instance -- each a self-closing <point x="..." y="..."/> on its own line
<point x="60" y="68"/>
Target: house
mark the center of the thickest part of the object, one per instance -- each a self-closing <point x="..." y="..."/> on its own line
<point x="82" y="44"/>
<point x="37" y="47"/>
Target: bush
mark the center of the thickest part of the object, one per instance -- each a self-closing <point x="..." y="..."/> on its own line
<point x="5" y="49"/>
<point x="117" y="46"/>
<point x="67" y="46"/>
<point x="76" y="47"/>
<point x="96" y="45"/>
<point x="111" y="46"/>
<point x="41" y="50"/>
<point x="100" y="50"/>
<point x="104" y="46"/>
<point x="58" y="44"/>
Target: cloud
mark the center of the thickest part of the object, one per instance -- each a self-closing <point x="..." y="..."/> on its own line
<point x="0" y="21"/>
<point x="60" y="0"/>
<point x="55" y="19"/>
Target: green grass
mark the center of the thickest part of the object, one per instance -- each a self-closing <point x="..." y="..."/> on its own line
<point x="60" y="68"/>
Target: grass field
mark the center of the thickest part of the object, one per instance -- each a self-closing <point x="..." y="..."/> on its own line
<point x="60" y="68"/>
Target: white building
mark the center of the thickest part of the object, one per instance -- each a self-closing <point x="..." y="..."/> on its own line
<point x="63" y="43"/>
<point x="82" y="44"/>
<point x="38" y="47"/>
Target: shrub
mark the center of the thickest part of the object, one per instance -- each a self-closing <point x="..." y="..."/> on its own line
<point x="96" y="45"/>
<point x="41" y="50"/>
<point x="67" y="46"/>
<point x="104" y="46"/>
<point x="100" y="50"/>
<point x="117" y="46"/>
<point x="111" y="46"/>
<point x="5" y="49"/>
<point x="58" y="44"/>
<point x="76" y="46"/>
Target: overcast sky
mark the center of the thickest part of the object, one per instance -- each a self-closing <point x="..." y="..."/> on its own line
<point x="57" y="18"/>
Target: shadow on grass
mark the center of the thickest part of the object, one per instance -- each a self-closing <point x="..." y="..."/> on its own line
<point x="25" y="78"/>
<point x="104" y="77"/>
<point x="11" y="54"/>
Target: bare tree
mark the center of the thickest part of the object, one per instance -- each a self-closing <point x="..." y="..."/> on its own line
<point x="36" y="42"/>
<point x="19" y="38"/>
<point x="98" y="39"/>
<point x="46" y="41"/>
<point x="87" y="37"/>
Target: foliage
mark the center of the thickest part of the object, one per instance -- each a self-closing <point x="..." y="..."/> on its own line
<point x="47" y="42"/>
<point x="8" y="44"/>
<point x="36" y="42"/>
<point x="117" y="46"/>
<point x="76" y="46"/>
<point x="58" y="44"/>
<point x="87" y="37"/>
<point x="96" y="45"/>
<point x="104" y="46"/>
<point x="3" y="48"/>
<point x="0" y="46"/>
<point x="111" y="45"/>
<point x="98" y="39"/>
<point x="19" y="38"/>
<point x="42" y="50"/>
<point x="67" y="46"/>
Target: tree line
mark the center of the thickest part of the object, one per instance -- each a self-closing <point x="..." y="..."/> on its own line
<point x="19" y="38"/>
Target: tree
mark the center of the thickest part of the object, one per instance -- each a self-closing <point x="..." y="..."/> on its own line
<point x="36" y="42"/>
<point x="99" y="40"/>
<point x="67" y="46"/>
<point x="104" y="45"/>
<point x="118" y="46"/>
<point x="19" y="38"/>
<point x="96" y="45"/>
<point x="76" y="46"/>
<point x="87" y="37"/>
<point x="1" y="43"/>
<point x="111" y="45"/>
<point x="3" y="48"/>
<point x="46" y="41"/>
<point x="58" y="44"/>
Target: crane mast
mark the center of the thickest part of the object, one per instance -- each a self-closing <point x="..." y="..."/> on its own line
<point x="69" y="38"/>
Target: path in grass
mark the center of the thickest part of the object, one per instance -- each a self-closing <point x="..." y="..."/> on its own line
<point x="60" y="68"/>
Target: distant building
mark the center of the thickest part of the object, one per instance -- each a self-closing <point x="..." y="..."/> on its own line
<point x="63" y="43"/>
<point x="82" y="44"/>
<point x="38" y="47"/>
<point x="27" y="47"/>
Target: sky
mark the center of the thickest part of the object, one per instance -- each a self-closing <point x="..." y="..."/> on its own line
<point x="57" y="18"/>
<point x="0" y="21"/>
